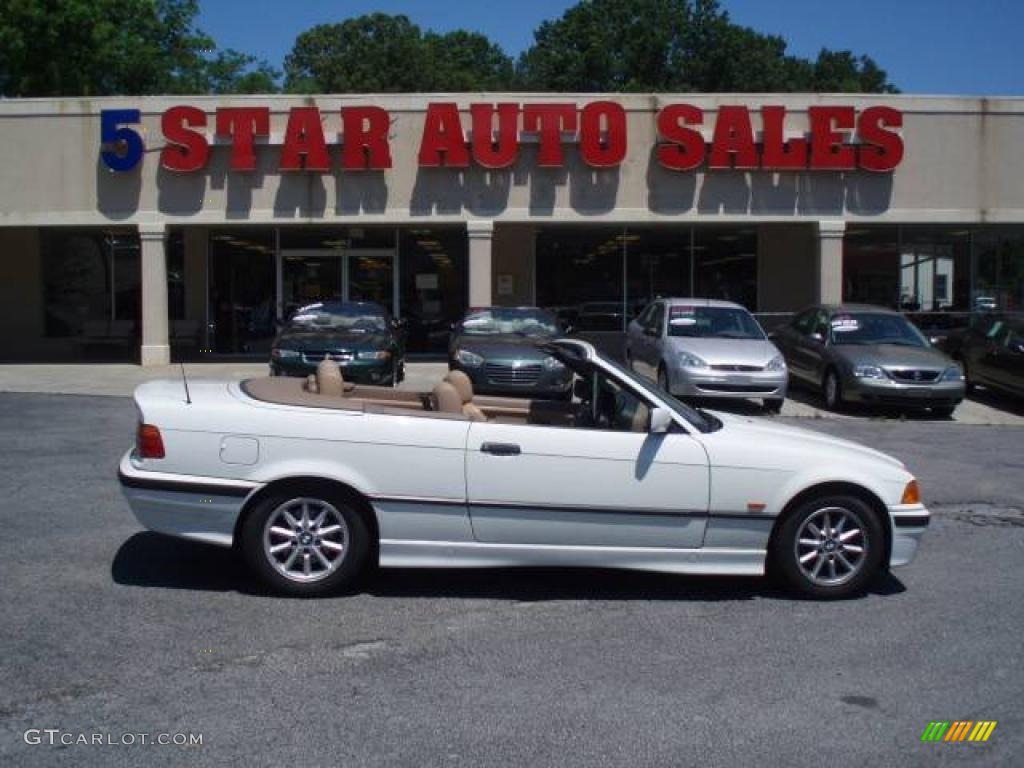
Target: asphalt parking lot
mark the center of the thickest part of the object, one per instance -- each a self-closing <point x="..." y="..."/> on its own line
<point x="106" y="628"/>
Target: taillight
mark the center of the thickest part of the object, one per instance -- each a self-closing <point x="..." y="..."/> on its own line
<point x="148" y="442"/>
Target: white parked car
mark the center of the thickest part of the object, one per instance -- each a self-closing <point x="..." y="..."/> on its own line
<point x="316" y="479"/>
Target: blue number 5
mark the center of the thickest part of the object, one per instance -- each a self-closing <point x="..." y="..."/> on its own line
<point x="113" y="131"/>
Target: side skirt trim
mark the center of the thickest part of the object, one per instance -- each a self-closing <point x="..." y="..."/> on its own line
<point x="460" y="554"/>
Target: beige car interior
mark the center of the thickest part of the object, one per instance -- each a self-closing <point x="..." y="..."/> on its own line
<point x="451" y="398"/>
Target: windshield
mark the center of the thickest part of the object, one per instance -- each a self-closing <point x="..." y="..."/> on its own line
<point x="874" y="328"/>
<point x="698" y="419"/>
<point x="354" y="318"/>
<point x="712" y="323"/>
<point x="510" y="322"/>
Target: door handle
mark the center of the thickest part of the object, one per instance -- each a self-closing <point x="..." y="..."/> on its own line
<point x="501" y="449"/>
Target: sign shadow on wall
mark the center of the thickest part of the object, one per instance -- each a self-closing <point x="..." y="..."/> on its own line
<point x="738" y="192"/>
<point x="117" y="192"/>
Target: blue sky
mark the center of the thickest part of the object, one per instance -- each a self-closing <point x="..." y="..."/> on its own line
<point x="927" y="46"/>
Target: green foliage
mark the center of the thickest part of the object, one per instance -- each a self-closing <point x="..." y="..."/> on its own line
<point x="389" y="54"/>
<point x="678" y="45"/>
<point x="100" y="47"/>
<point x="105" y="47"/>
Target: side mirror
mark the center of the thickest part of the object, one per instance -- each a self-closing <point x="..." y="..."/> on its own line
<point x="581" y="388"/>
<point x="661" y="421"/>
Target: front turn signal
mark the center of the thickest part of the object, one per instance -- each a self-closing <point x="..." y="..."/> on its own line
<point x="912" y="493"/>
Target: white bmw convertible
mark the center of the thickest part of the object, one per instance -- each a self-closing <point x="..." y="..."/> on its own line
<point x="316" y="479"/>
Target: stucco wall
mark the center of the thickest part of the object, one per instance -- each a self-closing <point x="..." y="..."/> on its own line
<point x="962" y="163"/>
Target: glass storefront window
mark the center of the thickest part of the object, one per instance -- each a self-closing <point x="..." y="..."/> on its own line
<point x="580" y="276"/>
<point x="931" y="269"/>
<point x="599" y="278"/>
<point x="432" y="284"/>
<point x="242" y="292"/>
<point x="725" y="265"/>
<point x="91" y="288"/>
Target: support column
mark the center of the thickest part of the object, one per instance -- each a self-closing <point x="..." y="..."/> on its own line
<point x="481" y="240"/>
<point x="156" y="347"/>
<point x="830" y="261"/>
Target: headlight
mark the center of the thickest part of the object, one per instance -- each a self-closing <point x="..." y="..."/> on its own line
<point x="467" y="358"/>
<point x="552" y="364"/>
<point x="777" y="363"/>
<point x="953" y="373"/>
<point x="688" y="360"/>
<point x="284" y="354"/>
<point x="868" y="372"/>
<point x="373" y="354"/>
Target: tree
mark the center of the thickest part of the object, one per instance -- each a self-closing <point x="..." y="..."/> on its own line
<point x="389" y="54"/>
<point x="466" y="61"/>
<point x="375" y="53"/>
<point x="678" y="45"/>
<point x="107" y="47"/>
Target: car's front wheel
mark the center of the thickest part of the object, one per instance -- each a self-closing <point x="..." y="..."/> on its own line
<point x="306" y="544"/>
<point x="663" y="382"/>
<point x="830" y="547"/>
<point x="832" y="390"/>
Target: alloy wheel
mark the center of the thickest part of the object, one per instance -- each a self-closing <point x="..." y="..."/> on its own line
<point x="831" y="546"/>
<point x="306" y="539"/>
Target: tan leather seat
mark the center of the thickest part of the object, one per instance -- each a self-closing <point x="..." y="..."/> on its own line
<point x="464" y="386"/>
<point x="329" y="380"/>
<point x="462" y="383"/>
<point x="445" y="398"/>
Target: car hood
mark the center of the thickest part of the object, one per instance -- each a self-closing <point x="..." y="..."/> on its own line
<point x="324" y="339"/>
<point x="791" y="446"/>
<point x="891" y="355"/>
<point x="726" y="351"/>
<point x="514" y="347"/>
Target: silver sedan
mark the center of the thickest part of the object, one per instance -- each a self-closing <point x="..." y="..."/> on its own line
<point x="706" y="348"/>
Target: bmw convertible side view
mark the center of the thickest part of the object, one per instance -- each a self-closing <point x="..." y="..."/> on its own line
<point x="315" y="480"/>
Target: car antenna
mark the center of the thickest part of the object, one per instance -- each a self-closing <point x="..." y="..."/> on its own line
<point x="184" y="379"/>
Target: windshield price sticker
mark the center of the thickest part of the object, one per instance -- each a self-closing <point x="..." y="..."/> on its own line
<point x="682" y="315"/>
<point x="844" y="324"/>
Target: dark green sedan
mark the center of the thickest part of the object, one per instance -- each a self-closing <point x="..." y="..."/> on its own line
<point x="360" y="336"/>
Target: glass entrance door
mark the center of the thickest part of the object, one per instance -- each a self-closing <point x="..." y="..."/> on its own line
<point x="309" y="276"/>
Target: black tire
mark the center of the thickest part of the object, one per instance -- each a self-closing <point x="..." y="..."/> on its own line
<point x="943" y="412"/>
<point x="663" y="383"/>
<point x="786" y="551"/>
<point x="833" y="397"/>
<point x="773" y="405"/>
<point x="353" y="559"/>
<point x="969" y="387"/>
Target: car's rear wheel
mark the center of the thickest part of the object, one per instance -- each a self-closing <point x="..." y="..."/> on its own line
<point x="832" y="390"/>
<point x="968" y="384"/>
<point x="943" y="411"/>
<point x="306" y="544"/>
<point x="830" y="547"/>
<point x="773" y="405"/>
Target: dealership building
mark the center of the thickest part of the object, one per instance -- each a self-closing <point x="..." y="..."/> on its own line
<point x="180" y="227"/>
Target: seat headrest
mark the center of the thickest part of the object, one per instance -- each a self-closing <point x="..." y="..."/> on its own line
<point x="446" y="398"/>
<point x="462" y="383"/>
<point x="329" y="380"/>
